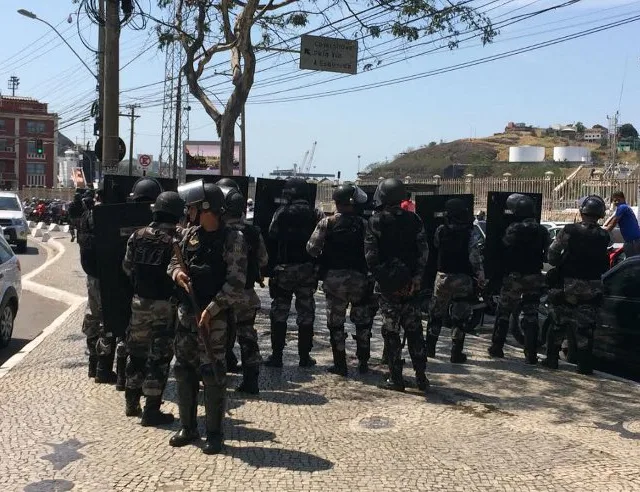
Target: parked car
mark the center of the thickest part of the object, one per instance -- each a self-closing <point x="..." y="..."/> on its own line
<point x="10" y="290"/>
<point x="12" y="220"/>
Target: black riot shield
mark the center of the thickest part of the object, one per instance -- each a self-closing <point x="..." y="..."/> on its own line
<point x="430" y="208"/>
<point x="498" y="219"/>
<point x="243" y="181"/>
<point x="116" y="188"/>
<point x="114" y="224"/>
<point x="267" y="200"/>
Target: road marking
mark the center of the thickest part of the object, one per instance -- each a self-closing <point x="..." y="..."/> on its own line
<point x="50" y="259"/>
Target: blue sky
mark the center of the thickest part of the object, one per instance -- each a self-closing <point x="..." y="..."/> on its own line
<point x="579" y="80"/>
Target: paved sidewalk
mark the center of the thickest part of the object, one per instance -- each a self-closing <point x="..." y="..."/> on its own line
<point x="487" y="425"/>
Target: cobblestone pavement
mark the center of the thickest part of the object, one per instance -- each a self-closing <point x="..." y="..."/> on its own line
<point x="487" y="425"/>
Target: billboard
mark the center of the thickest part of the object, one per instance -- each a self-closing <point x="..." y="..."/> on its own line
<point x="203" y="157"/>
<point x="77" y="175"/>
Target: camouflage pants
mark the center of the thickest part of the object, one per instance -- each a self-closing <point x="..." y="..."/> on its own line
<point x="520" y="290"/>
<point x="290" y="280"/>
<point x="578" y="314"/>
<point x="241" y="324"/>
<point x="403" y="314"/>
<point x="344" y="287"/>
<point x="450" y="303"/>
<point x="92" y="324"/>
<point x="150" y="345"/>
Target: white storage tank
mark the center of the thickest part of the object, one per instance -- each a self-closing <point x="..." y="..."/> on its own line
<point x="526" y="153"/>
<point x="70" y="160"/>
<point x="571" y="154"/>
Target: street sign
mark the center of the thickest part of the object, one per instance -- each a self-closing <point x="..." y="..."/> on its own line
<point x="328" y="54"/>
<point x="122" y="149"/>
<point x="145" y="160"/>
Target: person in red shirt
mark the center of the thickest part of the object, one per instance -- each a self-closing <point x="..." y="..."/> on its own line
<point x="407" y="204"/>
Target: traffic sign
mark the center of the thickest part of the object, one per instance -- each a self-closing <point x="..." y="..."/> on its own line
<point x="144" y="160"/>
<point x="328" y="54"/>
<point x="122" y="149"/>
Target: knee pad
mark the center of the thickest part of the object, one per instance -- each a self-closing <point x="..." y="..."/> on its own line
<point x="460" y="312"/>
<point x="214" y="374"/>
<point x="121" y="350"/>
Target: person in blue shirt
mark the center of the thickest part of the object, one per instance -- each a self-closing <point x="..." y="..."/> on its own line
<point x="626" y="219"/>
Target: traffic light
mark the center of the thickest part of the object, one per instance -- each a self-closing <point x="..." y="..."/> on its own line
<point x="39" y="147"/>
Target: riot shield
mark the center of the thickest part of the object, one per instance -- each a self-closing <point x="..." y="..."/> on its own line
<point x="114" y="224"/>
<point x="243" y="181"/>
<point x="116" y="188"/>
<point x="267" y="200"/>
<point x="498" y="219"/>
<point x="430" y="208"/>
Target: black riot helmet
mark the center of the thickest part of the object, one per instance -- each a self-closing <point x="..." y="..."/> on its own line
<point x="349" y="194"/>
<point x="145" y="190"/>
<point x="213" y="199"/>
<point x="295" y="188"/>
<point x="593" y="206"/>
<point x="192" y="193"/>
<point x="522" y="206"/>
<point x="457" y="212"/>
<point x="390" y="191"/>
<point x="169" y="205"/>
<point x="229" y="183"/>
<point x="234" y="203"/>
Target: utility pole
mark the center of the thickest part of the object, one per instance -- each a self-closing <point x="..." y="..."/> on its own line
<point x="14" y="82"/>
<point x="613" y="142"/>
<point x="111" y="53"/>
<point x="243" y="137"/>
<point x="133" y="116"/>
<point x="177" y="126"/>
<point x="100" y="119"/>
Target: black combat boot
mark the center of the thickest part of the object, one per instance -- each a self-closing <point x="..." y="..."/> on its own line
<point x="278" y="336"/>
<point x="93" y="364"/>
<point x="500" y="331"/>
<point x="421" y="381"/>
<point x="214" y="403"/>
<point x="551" y="361"/>
<point x="152" y="415"/>
<point x="249" y="384"/>
<point x="188" y="408"/>
<point x="132" y="402"/>
<point x="363" y="352"/>
<point x="305" y="344"/>
<point x="121" y="364"/>
<point x="104" y="370"/>
<point x="430" y="345"/>
<point x="339" y="366"/>
<point x="585" y="360"/>
<point x="531" y="345"/>
<point x="457" y="355"/>
<point x="394" y="353"/>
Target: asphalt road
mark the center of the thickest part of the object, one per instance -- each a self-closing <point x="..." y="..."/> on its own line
<point x="35" y="312"/>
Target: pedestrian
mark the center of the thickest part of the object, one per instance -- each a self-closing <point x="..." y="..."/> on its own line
<point x="338" y="242"/>
<point x="75" y="214"/>
<point x="150" y="333"/>
<point x="628" y="222"/>
<point x="243" y="317"/>
<point x="396" y="251"/>
<point x="579" y="251"/>
<point x="294" y="273"/>
<point x="525" y="245"/>
<point x="212" y="268"/>
<point x="459" y="263"/>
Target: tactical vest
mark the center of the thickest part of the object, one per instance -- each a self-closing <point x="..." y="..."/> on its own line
<point x="152" y="250"/>
<point x="296" y="223"/>
<point x="526" y="255"/>
<point x="399" y="230"/>
<point x="344" y="244"/>
<point x="252" y="237"/>
<point x="453" y="250"/>
<point x="87" y="243"/>
<point x="203" y="254"/>
<point x="586" y="257"/>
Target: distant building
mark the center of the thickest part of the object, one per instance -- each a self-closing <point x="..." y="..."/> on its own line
<point x="288" y="173"/>
<point x="517" y="127"/>
<point x="23" y="123"/>
<point x="595" y="134"/>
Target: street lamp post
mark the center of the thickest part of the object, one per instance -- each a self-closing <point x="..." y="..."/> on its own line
<point x="31" y="15"/>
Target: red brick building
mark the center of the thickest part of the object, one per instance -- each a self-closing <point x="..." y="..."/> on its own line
<point x="24" y="122"/>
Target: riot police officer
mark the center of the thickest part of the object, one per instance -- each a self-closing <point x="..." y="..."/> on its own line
<point x="339" y="243"/>
<point x="580" y="253"/>
<point x="396" y="250"/>
<point x="212" y="267"/>
<point x="459" y="261"/>
<point x="525" y="246"/>
<point x="294" y="274"/>
<point x="242" y="322"/>
<point x="151" y="329"/>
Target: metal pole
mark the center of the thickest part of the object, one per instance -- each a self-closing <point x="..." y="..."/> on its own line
<point x="177" y="125"/>
<point x="133" y="120"/>
<point x="110" y="127"/>
<point x="101" y="79"/>
<point x="243" y="136"/>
